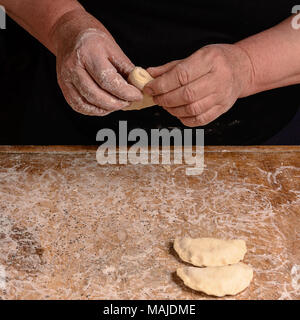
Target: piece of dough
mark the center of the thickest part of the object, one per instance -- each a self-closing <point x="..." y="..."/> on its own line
<point x="139" y="78"/>
<point x="217" y="281"/>
<point x="210" y="252"/>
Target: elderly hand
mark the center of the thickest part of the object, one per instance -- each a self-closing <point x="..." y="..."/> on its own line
<point x="200" y="88"/>
<point x="91" y="71"/>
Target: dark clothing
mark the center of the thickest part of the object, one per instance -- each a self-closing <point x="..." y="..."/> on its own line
<point x="152" y="33"/>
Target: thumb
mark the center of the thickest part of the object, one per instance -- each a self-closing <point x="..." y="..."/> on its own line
<point x="158" y="71"/>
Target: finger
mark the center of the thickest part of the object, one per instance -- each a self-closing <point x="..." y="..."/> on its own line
<point x="183" y="73"/>
<point x="107" y="77"/>
<point x="187" y="94"/>
<point x="193" y="109"/>
<point x="204" y="118"/>
<point x="158" y="71"/>
<point x="94" y="94"/>
<point x="121" y="62"/>
<point x="78" y="103"/>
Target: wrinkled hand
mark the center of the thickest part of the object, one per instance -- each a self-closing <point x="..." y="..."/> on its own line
<point x="91" y="71"/>
<point x="200" y="88"/>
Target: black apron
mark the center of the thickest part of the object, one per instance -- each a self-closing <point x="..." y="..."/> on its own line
<point x="152" y="33"/>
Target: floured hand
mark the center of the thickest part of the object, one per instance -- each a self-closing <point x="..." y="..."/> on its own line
<point x="91" y="71"/>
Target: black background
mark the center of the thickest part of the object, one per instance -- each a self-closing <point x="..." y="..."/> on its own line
<point x="33" y="110"/>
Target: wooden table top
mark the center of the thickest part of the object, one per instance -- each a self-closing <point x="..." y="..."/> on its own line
<point x="73" y="229"/>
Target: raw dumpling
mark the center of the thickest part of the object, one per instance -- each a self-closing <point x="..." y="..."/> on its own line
<point x="139" y="78"/>
<point x="210" y="252"/>
<point x="217" y="281"/>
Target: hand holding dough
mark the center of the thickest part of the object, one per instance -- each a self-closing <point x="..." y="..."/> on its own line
<point x="210" y="252"/>
<point x="217" y="281"/>
<point x="139" y="78"/>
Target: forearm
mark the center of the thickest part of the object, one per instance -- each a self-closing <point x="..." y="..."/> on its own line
<point x="274" y="55"/>
<point x="42" y="17"/>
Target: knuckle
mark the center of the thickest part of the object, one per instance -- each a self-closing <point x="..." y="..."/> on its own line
<point x="90" y="95"/>
<point x="104" y="77"/>
<point x="160" y="86"/>
<point x="214" y="51"/>
<point x="182" y="74"/>
<point x="192" y="109"/>
<point x="203" y="119"/>
<point x="161" y="100"/>
<point x="188" y="94"/>
<point x="77" y="104"/>
<point x="74" y="105"/>
<point x="213" y="54"/>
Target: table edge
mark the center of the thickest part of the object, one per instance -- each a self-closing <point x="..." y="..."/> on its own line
<point x="79" y="149"/>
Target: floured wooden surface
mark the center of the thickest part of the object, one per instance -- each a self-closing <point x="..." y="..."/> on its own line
<point x="72" y="229"/>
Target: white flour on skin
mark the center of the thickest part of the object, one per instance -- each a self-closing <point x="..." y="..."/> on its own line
<point x="125" y="68"/>
<point x="77" y="103"/>
<point x="87" y="33"/>
<point x="111" y="82"/>
<point x="107" y="76"/>
<point x="108" y="79"/>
